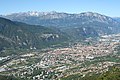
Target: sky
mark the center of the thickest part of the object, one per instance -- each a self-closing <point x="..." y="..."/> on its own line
<point x="106" y="7"/>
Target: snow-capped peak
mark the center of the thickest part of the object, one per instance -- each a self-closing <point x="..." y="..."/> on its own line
<point x="35" y="13"/>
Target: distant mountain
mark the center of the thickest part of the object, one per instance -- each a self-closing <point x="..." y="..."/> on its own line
<point x="100" y="23"/>
<point x="23" y="36"/>
<point x="117" y="18"/>
<point x="80" y="33"/>
<point x="19" y="35"/>
<point x="60" y="27"/>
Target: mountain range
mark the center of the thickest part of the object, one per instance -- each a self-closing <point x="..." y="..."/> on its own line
<point x="101" y="23"/>
<point x="35" y="30"/>
<point x="20" y="35"/>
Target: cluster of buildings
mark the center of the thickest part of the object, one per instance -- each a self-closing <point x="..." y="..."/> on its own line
<point x="56" y="63"/>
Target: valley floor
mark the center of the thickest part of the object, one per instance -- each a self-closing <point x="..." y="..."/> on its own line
<point x="75" y="62"/>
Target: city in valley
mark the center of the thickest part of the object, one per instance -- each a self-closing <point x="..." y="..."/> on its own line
<point x="88" y="58"/>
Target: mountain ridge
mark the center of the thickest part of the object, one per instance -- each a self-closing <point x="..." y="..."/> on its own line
<point x="73" y="26"/>
<point x="25" y="36"/>
<point x="101" y="23"/>
<point x="21" y="35"/>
